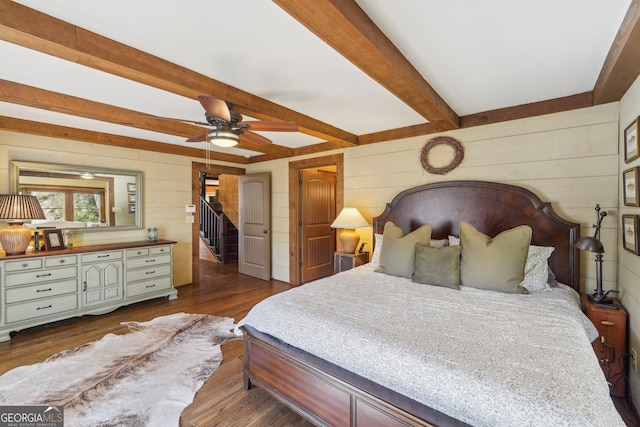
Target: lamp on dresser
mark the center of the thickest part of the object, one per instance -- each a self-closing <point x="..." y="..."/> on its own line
<point x="593" y="244"/>
<point x="15" y="209"/>
<point x="349" y="219"/>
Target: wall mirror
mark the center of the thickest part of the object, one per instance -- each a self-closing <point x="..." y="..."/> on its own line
<point x="81" y="198"/>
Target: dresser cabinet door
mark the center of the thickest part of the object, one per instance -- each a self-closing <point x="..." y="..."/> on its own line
<point x="102" y="282"/>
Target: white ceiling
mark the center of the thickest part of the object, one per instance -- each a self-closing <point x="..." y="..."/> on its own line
<point x="478" y="56"/>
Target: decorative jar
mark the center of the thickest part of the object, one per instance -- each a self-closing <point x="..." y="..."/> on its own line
<point x="152" y="233"/>
<point x="67" y="239"/>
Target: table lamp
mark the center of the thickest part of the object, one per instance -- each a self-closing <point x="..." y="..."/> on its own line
<point x="16" y="209"/>
<point x="593" y="244"/>
<point x="349" y="219"/>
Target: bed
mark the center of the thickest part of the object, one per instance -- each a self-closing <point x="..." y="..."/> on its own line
<point x="365" y="348"/>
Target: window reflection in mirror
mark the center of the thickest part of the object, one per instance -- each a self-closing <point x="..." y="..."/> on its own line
<point x="78" y="197"/>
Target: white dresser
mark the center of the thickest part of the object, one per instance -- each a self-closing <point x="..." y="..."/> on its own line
<point x="43" y="287"/>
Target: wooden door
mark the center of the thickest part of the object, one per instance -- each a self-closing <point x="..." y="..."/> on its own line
<point x="254" y="231"/>
<point x="318" y="201"/>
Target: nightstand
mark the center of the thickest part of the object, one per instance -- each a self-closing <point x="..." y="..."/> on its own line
<point x="610" y="348"/>
<point x="344" y="262"/>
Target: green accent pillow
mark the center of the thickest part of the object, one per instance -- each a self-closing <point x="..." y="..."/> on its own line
<point x="397" y="255"/>
<point x="437" y="266"/>
<point x="496" y="264"/>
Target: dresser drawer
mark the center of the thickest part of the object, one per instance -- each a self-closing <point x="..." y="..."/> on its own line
<point x="149" y="286"/>
<point x="40" y="276"/>
<point x="155" y="250"/>
<point x="46" y="307"/>
<point x="58" y="261"/>
<point x="132" y="253"/>
<point x="102" y="256"/>
<point x="23" y="265"/>
<point x="148" y="261"/>
<point x="147" y="273"/>
<point x="25" y="293"/>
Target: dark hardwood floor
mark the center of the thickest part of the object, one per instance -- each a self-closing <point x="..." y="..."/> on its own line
<point x="221" y="401"/>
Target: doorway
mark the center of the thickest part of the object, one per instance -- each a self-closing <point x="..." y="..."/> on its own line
<point x="300" y="208"/>
<point x="198" y="170"/>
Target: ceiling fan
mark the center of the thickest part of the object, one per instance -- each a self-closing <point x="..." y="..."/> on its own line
<point x="227" y="125"/>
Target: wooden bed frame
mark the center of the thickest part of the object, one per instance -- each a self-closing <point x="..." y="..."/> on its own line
<point x="328" y="395"/>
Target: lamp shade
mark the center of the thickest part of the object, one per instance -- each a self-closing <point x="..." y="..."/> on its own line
<point x="349" y="219"/>
<point x="16" y="209"/>
<point x="20" y="207"/>
<point x="589" y="244"/>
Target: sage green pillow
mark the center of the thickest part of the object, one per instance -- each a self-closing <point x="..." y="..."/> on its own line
<point x="438" y="266"/>
<point x="495" y="263"/>
<point x="397" y="255"/>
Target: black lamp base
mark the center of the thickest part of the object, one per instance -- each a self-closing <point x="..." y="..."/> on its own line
<point x="599" y="299"/>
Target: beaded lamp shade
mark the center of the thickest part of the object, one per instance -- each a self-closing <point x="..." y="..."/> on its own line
<point x="16" y="209"/>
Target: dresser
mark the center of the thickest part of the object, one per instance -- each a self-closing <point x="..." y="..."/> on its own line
<point x="611" y="345"/>
<point x="343" y="261"/>
<point x="42" y="287"/>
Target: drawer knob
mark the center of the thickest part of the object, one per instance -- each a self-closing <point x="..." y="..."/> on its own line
<point x="607" y="323"/>
<point x="150" y="260"/>
<point x="103" y="256"/>
<point x="150" y="286"/>
<point x="44" y="290"/>
<point x="25" y="265"/>
<point x="45" y="307"/>
<point x="150" y="272"/>
<point x="43" y="275"/>
<point x="61" y="261"/>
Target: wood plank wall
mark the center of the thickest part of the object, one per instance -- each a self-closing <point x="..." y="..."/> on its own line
<point x="569" y="159"/>
<point x="166" y="187"/>
<point x="629" y="264"/>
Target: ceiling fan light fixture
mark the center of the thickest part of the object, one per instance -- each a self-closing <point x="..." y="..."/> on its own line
<point x="223" y="138"/>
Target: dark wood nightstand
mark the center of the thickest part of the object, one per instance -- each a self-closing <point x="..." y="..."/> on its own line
<point x="610" y="348"/>
<point x="343" y="261"/>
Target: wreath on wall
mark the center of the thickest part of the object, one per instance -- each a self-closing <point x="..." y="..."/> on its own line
<point x="458" y="154"/>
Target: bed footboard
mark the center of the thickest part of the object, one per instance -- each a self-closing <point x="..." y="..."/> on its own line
<point x="325" y="394"/>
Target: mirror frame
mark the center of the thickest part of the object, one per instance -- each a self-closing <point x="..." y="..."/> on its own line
<point x="17" y="166"/>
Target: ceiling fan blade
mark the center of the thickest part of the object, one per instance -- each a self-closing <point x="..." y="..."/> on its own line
<point x="272" y="126"/>
<point x="216" y="108"/>
<point x="254" y="138"/>
<point x="151" y="116"/>
<point x="198" y="138"/>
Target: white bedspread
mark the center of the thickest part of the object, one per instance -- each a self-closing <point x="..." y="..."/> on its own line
<point x="486" y="358"/>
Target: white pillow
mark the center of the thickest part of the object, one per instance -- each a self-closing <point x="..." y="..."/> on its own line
<point x="375" y="258"/>
<point x="536" y="269"/>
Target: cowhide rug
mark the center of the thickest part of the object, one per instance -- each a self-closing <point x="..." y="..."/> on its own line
<point x="143" y="378"/>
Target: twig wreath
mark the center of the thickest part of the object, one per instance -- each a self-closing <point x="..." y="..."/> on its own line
<point x="458" y="154"/>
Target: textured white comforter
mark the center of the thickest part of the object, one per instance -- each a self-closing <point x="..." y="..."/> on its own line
<point x="483" y="357"/>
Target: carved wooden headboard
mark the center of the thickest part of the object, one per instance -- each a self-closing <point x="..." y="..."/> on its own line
<point x="492" y="208"/>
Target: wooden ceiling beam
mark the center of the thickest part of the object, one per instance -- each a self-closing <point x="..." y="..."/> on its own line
<point x="622" y="66"/>
<point x="550" y="106"/>
<point x="557" y="105"/>
<point x="343" y="25"/>
<point x="53" y="101"/>
<point x="35" y="30"/>
<point x="55" y="131"/>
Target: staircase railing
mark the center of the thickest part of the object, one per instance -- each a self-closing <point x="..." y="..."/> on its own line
<point x="218" y="232"/>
